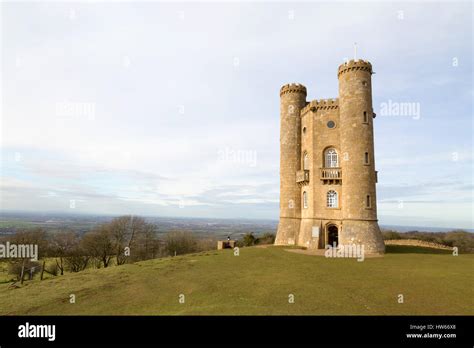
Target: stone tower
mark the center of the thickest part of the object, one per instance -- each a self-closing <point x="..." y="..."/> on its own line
<point x="327" y="165"/>
<point x="292" y="100"/>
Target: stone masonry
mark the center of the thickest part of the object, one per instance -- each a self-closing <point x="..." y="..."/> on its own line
<point x="327" y="165"/>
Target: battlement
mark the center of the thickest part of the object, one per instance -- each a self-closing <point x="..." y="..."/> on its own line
<point x="325" y="198"/>
<point x="320" y="104"/>
<point x="353" y="65"/>
<point x="293" y="88"/>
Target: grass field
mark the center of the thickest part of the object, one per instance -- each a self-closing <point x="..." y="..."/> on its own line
<point x="259" y="281"/>
<point x="16" y="224"/>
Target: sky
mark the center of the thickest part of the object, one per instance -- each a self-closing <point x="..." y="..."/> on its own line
<point x="172" y="109"/>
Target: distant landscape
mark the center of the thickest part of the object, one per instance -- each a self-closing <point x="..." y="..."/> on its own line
<point x="81" y="223"/>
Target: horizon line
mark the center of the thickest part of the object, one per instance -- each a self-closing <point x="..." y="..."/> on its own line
<point x="111" y="215"/>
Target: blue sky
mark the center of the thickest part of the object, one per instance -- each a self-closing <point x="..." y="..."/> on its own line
<point x="173" y="109"/>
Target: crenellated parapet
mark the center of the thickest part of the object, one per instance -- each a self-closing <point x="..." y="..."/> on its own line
<point x="320" y="104"/>
<point x="293" y="88"/>
<point x="327" y="165"/>
<point x="354" y="65"/>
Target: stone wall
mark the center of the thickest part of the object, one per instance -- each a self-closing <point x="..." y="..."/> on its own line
<point x="417" y="242"/>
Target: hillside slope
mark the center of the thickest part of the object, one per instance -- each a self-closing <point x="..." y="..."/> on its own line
<point x="259" y="281"/>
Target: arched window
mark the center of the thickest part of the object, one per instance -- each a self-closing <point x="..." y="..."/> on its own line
<point x="331" y="158"/>
<point x="331" y="199"/>
<point x="305" y="161"/>
<point x="305" y="200"/>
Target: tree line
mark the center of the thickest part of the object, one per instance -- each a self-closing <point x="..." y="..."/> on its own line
<point x="124" y="239"/>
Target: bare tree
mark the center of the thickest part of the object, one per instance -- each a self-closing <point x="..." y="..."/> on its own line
<point x="25" y="266"/>
<point x="61" y="245"/>
<point x="98" y="244"/>
<point x="120" y="231"/>
<point x="35" y="236"/>
<point x="126" y="232"/>
<point x="145" y="243"/>
<point x="78" y="260"/>
<point x="180" y="242"/>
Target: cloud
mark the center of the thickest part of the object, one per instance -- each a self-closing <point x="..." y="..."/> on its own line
<point x="151" y="107"/>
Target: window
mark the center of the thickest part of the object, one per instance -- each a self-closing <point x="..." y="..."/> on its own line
<point x="366" y="119"/>
<point x="305" y="200"/>
<point x="305" y="161"/>
<point x="368" y="203"/>
<point x="304" y="130"/>
<point x="332" y="199"/>
<point x="331" y="124"/>
<point x="331" y="159"/>
<point x="366" y="158"/>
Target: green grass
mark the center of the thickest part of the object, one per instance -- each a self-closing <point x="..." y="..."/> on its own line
<point x="4" y="276"/>
<point x="258" y="281"/>
<point x="16" y="224"/>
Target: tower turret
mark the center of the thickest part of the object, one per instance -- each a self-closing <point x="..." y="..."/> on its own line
<point x="292" y="100"/>
<point x="358" y="204"/>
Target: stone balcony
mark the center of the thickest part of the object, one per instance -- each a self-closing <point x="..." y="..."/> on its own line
<point x="302" y="177"/>
<point x="331" y="175"/>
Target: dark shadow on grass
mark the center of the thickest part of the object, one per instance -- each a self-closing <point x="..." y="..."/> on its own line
<point x="408" y="249"/>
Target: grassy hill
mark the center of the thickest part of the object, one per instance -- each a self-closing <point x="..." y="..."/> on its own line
<point x="259" y="281"/>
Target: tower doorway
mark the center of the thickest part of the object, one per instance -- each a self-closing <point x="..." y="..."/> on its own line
<point x="333" y="235"/>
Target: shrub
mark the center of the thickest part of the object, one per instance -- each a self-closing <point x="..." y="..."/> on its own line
<point x="387" y="235"/>
<point x="267" y="238"/>
<point x="248" y="239"/>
